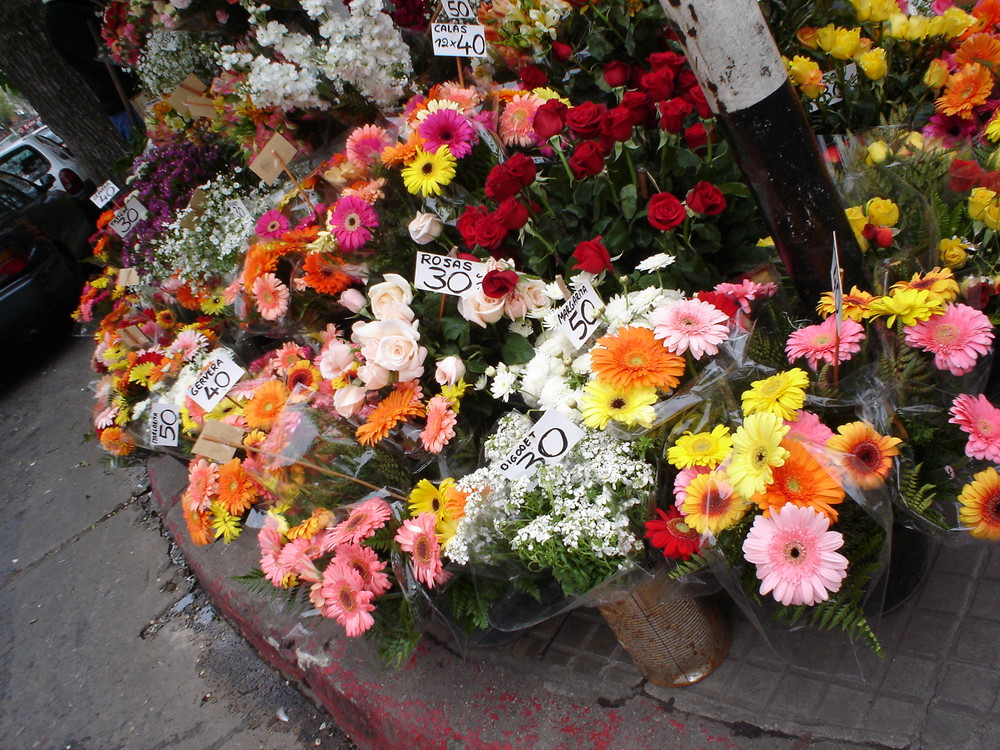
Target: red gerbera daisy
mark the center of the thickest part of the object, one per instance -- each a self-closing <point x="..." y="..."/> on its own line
<point x="672" y="536"/>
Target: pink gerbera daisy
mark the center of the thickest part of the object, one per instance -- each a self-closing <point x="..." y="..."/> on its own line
<point x="351" y="221"/>
<point x="288" y="355"/>
<point x="187" y="344"/>
<point x="298" y="555"/>
<point x="440" y="427"/>
<point x="956" y="338"/>
<point x="272" y="224"/>
<point x="746" y="292"/>
<point x="272" y="296"/>
<point x="795" y="554"/>
<point x="418" y="537"/>
<point x="364" y="520"/>
<point x="269" y="539"/>
<point x="106" y="417"/>
<point x="819" y="342"/>
<point x="346" y="600"/>
<point x="515" y="122"/>
<point x="203" y="484"/>
<point x="446" y="127"/>
<point x="367" y="565"/>
<point x="280" y="437"/>
<point x="980" y="420"/>
<point x="690" y="325"/>
<point x="365" y="144"/>
<point x="808" y="428"/>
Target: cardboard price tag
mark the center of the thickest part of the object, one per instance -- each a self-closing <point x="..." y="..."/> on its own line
<point x="192" y="218"/>
<point x="201" y="107"/>
<point x="215" y="381"/>
<point x="127" y="217"/>
<point x="128" y="277"/>
<point x="164" y="426"/>
<point x="458" y="39"/>
<point x="104" y="193"/>
<point x="578" y="315"/>
<point x="218" y="441"/>
<point x="446" y="275"/>
<point x="273" y="158"/>
<point x="549" y="440"/>
<point x="190" y="88"/>
<point x="134" y="337"/>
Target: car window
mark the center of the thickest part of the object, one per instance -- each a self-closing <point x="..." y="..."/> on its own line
<point x="12" y="199"/>
<point x="24" y="162"/>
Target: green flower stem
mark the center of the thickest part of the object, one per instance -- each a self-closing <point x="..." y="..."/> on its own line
<point x="554" y="142"/>
<point x="607" y="22"/>
<point x="631" y="169"/>
<point x="537" y="236"/>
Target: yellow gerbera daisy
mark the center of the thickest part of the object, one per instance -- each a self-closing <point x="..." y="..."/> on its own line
<point x="711" y="504"/>
<point x="701" y="449"/>
<point x="224" y="523"/>
<point x="980" y="511"/>
<point x="445" y="502"/>
<point x="939" y="282"/>
<point x="779" y="394"/>
<point x="602" y="402"/>
<point x="855" y="306"/>
<point x="909" y="305"/>
<point x="429" y="172"/>
<point x="756" y="451"/>
<point x="214" y="303"/>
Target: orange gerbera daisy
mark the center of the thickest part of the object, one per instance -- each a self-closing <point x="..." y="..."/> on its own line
<point x="966" y="88"/>
<point x="266" y="404"/>
<point x="867" y="454"/>
<point x="801" y="481"/>
<point x="320" y="519"/>
<point x="980" y="509"/>
<point x="939" y="282"/>
<point x="302" y="373"/>
<point x="199" y="526"/>
<point x="402" y="153"/>
<point x="262" y="258"/>
<point x="187" y="297"/>
<point x="979" y="48"/>
<point x="323" y="273"/>
<point x="393" y="409"/>
<point x="633" y="357"/>
<point x="855" y="304"/>
<point x="237" y="490"/>
<point x="987" y="12"/>
<point x="116" y="442"/>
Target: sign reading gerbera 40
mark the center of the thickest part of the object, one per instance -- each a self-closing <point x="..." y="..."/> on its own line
<point x="215" y="381"/>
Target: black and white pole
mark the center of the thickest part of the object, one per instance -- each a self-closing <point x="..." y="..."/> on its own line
<point x="740" y="69"/>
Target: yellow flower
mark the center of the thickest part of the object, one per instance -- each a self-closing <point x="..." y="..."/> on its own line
<point x="882" y="212"/>
<point x="806" y="74"/>
<point x="953" y="253"/>
<point x="956" y="21"/>
<point x="601" y="403"/>
<point x="855" y="306"/>
<point x="544" y="92"/>
<point x="454" y="393"/>
<point x="779" y="394"/>
<point x="857" y="219"/>
<point x="917" y="28"/>
<point x="939" y="282"/>
<point x="909" y="305"/>
<point x="984" y="207"/>
<point x="899" y="23"/>
<point x="993" y="127"/>
<point x="445" y="502"/>
<point x="841" y="43"/>
<point x="711" y="504"/>
<point x="701" y="449"/>
<point x="756" y="451"/>
<point x="765" y="241"/>
<point x="878" y="152"/>
<point x="428" y="173"/>
<point x="874" y="64"/>
<point x="214" y="303"/>
<point x="225" y="524"/>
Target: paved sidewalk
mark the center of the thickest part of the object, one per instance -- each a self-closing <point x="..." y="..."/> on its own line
<point x="568" y="684"/>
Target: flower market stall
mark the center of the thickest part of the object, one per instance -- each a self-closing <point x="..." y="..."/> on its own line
<point x="477" y="313"/>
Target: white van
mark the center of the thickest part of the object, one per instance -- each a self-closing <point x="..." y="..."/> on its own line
<point x="42" y="152"/>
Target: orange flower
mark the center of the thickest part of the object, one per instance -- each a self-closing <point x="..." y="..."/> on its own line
<point x="302" y="373"/>
<point x="262" y="258"/>
<point x="855" y="304"/>
<point x="939" y="282"/>
<point x="116" y="442"/>
<point x="979" y="48"/>
<point x="199" y="525"/>
<point x="966" y="89"/>
<point x="402" y="153"/>
<point x="803" y="481"/>
<point x="393" y="409"/>
<point x="322" y="273"/>
<point x="633" y="357"/>
<point x="237" y="491"/>
<point x="867" y="454"/>
<point x="987" y="12"/>
<point x="266" y="404"/>
<point x="187" y="297"/>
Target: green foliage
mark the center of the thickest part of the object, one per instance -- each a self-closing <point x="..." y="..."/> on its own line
<point x="468" y="600"/>
<point x="258" y="585"/>
<point x="395" y="629"/>
<point x="920" y="498"/>
<point x="686" y="567"/>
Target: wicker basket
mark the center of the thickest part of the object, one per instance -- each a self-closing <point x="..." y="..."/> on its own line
<point x="673" y="639"/>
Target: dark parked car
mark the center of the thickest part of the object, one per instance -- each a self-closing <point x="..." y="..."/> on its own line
<point x="43" y="235"/>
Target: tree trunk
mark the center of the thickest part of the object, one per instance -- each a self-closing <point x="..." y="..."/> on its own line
<point x="55" y="90"/>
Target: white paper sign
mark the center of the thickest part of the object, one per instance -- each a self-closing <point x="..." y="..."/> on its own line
<point x="455" y="9"/>
<point x="104" y="193"/>
<point x="127" y="217"/>
<point x="446" y="275"/>
<point x="238" y="209"/>
<point x="578" y="315"/>
<point x="458" y="39"/>
<point x="549" y="440"/>
<point x="164" y="425"/>
<point x="215" y="380"/>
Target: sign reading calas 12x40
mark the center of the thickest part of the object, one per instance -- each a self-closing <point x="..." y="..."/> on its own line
<point x="458" y="39"/>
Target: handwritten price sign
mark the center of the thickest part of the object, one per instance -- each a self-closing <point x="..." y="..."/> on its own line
<point x="458" y="39"/>
<point x="460" y="8"/>
<point x="445" y="275"/>
<point x="215" y="381"/>
<point x="163" y="425"/>
<point x="104" y="193"/>
<point x="127" y="217"/>
<point x="578" y="315"/>
<point x="549" y="440"/>
<point x="238" y="210"/>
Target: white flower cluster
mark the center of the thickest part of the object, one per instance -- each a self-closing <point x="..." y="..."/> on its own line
<point x="169" y="56"/>
<point x="209" y="240"/>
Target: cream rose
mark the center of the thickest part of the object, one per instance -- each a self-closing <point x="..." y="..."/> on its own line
<point x="479" y="309"/>
<point x="397" y="349"/>
<point x="348" y="400"/>
<point x="386" y="296"/>
<point x="425" y="228"/>
<point x="336" y="358"/>
<point x="449" y="370"/>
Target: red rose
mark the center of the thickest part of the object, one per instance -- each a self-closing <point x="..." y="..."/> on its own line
<point x="639" y="104"/>
<point x="490" y="233"/>
<point x="697" y="97"/>
<point x="673" y="113"/>
<point x="659" y="84"/>
<point x="550" y="119"/>
<point x="586" y="120"/>
<point x="591" y="256"/>
<point x="468" y="222"/>
<point x="696" y="136"/>
<point x="533" y="77"/>
<point x="617" y="73"/>
<point x="666" y="212"/>
<point x="562" y="50"/>
<point x="497" y="284"/>
<point x="881" y="236"/>
<point x="586" y="160"/>
<point x="706" y="198"/>
<point x="500" y="183"/>
<point x="521" y="168"/>
<point x="467" y="256"/>
<point x="964" y="175"/>
<point x="511" y="214"/>
<point x="991" y="180"/>
<point x="668" y="59"/>
<point x="620" y="123"/>
<point x="686" y="79"/>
